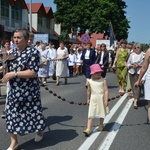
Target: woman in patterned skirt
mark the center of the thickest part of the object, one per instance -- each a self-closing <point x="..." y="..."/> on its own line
<point x="120" y="65"/>
<point x="23" y="110"/>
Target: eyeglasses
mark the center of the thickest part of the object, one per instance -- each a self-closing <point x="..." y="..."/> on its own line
<point x="103" y="46"/>
<point x="136" y="47"/>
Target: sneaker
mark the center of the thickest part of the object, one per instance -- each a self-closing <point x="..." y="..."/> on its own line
<point x="86" y="132"/>
<point x="3" y="115"/>
<point x="100" y="128"/>
<point x="44" y="82"/>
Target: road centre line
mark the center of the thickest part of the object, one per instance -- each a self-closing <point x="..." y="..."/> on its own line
<point x="90" y="140"/>
<point x="112" y="134"/>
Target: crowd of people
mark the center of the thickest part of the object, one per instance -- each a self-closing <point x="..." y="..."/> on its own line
<point x="132" y="70"/>
<point x="68" y="60"/>
<point x="33" y="64"/>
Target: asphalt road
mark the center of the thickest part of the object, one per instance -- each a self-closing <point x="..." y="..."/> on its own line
<point x="125" y="127"/>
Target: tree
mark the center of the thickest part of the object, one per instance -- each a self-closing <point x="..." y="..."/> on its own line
<point x="94" y="15"/>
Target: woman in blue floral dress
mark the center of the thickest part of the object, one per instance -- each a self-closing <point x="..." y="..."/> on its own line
<point x="23" y="110"/>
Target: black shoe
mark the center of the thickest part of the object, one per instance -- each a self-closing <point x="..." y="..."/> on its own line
<point x="57" y="84"/>
<point x="135" y="107"/>
<point x="65" y="83"/>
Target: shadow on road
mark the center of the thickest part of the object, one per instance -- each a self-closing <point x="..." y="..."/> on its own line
<point x="57" y="119"/>
<point x="52" y="137"/>
<point x="142" y="103"/>
<point x="111" y="87"/>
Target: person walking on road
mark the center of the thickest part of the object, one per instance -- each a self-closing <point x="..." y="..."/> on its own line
<point x="23" y="109"/>
<point x="134" y="65"/>
<point x="43" y="70"/>
<point x="5" y="52"/>
<point x="51" y="57"/>
<point x="145" y="71"/>
<point x="78" y="65"/>
<point x="61" y="63"/>
<point x="87" y="59"/>
<point x="120" y="65"/>
<point x="128" y="87"/>
<point x="97" y="98"/>
<point x="103" y="59"/>
<point x="71" y="62"/>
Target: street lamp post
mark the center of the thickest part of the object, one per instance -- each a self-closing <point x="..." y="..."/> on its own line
<point x="30" y="15"/>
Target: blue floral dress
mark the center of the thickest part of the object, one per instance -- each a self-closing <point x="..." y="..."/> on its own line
<point x="24" y="109"/>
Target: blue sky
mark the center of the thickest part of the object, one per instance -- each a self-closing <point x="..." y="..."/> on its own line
<point x="45" y="2"/>
<point x="137" y="13"/>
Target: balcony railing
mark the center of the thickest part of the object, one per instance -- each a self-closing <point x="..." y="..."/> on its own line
<point x="12" y="24"/>
<point x="18" y="24"/>
<point x="4" y="21"/>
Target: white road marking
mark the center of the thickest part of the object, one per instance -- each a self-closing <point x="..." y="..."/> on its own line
<point x="112" y="134"/>
<point x="90" y="140"/>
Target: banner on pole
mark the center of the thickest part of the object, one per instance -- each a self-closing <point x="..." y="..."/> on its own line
<point x="111" y="35"/>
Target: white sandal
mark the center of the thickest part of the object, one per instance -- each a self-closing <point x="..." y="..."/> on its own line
<point x="38" y="138"/>
<point x="15" y="148"/>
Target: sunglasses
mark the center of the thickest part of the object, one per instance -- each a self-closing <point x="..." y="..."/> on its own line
<point x="123" y="43"/>
<point x="103" y="46"/>
<point x="136" y="47"/>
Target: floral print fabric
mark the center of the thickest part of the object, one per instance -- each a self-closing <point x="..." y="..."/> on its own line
<point x="121" y="69"/>
<point x="24" y="110"/>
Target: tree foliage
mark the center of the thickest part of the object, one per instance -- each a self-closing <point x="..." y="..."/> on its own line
<point x="94" y="15"/>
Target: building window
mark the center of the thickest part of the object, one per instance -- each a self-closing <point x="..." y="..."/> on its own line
<point x="40" y="20"/>
<point x="5" y="8"/>
<point x="17" y="12"/>
<point x="44" y="21"/>
<point x="48" y="23"/>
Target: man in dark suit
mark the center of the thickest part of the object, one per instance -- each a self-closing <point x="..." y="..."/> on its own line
<point x="103" y="59"/>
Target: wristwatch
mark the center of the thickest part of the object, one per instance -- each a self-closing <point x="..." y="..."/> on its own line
<point x="16" y="75"/>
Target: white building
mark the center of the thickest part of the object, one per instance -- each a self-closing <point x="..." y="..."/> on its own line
<point x="13" y="14"/>
<point x="16" y="14"/>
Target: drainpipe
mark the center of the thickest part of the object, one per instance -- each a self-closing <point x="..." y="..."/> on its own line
<point x="30" y="15"/>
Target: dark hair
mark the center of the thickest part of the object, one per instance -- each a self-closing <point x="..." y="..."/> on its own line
<point x="6" y="41"/>
<point x="50" y="42"/>
<point x="37" y="42"/>
<point x="90" y="43"/>
<point x="123" y="41"/>
<point x="103" y="44"/>
<point x="71" y="50"/>
<point x="62" y="42"/>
